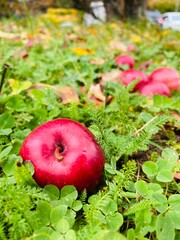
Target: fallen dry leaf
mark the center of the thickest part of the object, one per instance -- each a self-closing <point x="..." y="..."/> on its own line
<point x="117" y="45"/>
<point x="177" y="175"/>
<point x="65" y="93"/>
<point x="96" y="92"/>
<point x="20" y="53"/>
<point x="98" y="61"/>
<point x="110" y="76"/>
<point x="68" y="94"/>
<point x="7" y="35"/>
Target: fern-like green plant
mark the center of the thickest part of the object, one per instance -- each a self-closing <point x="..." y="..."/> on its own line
<point x="120" y="183"/>
<point x="141" y="205"/>
<point x="16" y="211"/>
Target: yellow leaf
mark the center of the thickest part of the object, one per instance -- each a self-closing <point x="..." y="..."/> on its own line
<point x="113" y="25"/>
<point x="18" y="86"/>
<point x="136" y="39"/>
<point x="81" y="51"/>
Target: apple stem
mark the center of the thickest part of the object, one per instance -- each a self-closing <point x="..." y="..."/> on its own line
<point x="58" y="155"/>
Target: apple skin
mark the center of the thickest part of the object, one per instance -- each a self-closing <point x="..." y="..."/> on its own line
<point x="163" y="74"/>
<point x="174" y="84"/>
<point x="125" y="60"/>
<point x="128" y="76"/>
<point x="64" y="152"/>
<point x="167" y="75"/>
<point x="153" y="88"/>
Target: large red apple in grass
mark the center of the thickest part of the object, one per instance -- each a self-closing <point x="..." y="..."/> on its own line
<point x="64" y="152"/>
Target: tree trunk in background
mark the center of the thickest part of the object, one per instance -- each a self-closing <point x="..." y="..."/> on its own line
<point x="116" y="8"/>
<point x="82" y="4"/>
<point x="125" y="8"/>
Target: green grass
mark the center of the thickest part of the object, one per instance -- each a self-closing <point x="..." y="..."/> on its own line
<point x="139" y="196"/>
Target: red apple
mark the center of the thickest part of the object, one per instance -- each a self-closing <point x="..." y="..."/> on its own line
<point x="153" y="87"/>
<point x="174" y="84"/>
<point x="64" y="152"/>
<point x="125" y="60"/>
<point x="128" y="76"/>
<point x="167" y="75"/>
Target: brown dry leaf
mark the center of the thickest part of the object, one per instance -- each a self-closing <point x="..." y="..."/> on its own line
<point x="20" y="53"/>
<point x="117" y="45"/>
<point x="98" y="61"/>
<point x="177" y="175"/>
<point x="110" y="76"/>
<point x="7" y="35"/>
<point x="65" y="93"/>
<point x="96" y="92"/>
<point x="68" y="94"/>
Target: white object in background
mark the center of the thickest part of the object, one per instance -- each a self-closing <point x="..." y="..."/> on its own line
<point x="171" y="20"/>
<point x="99" y="11"/>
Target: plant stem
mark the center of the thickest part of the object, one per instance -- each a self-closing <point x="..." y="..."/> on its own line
<point x="145" y="125"/>
<point x="5" y="67"/>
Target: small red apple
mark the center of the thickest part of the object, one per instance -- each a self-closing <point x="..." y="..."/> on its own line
<point x="64" y="152"/>
<point x="153" y="87"/>
<point x="174" y="84"/>
<point x="168" y="76"/>
<point x="163" y="74"/>
<point x="125" y="60"/>
<point x="128" y="76"/>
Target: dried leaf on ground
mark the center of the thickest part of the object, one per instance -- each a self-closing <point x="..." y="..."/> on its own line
<point x="111" y="76"/>
<point x="117" y="45"/>
<point x="65" y="93"/>
<point x="20" y="53"/>
<point x="13" y="36"/>
<point x="177" y="175"/>
<point x="96" y="92"/>
<point x="99" y="61"/>
<point x="7" y="35"/>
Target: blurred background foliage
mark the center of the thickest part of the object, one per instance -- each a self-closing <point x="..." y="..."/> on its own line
<point x="19" y="7"/>
<point x="162" y="5"/>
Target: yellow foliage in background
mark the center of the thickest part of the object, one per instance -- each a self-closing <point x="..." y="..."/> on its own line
<point x="161" y="5"/>
<point x="63" y="11"/>
<point x="59" y="15"/>
<point x="135" y="39"/>
<point x="81" y="51"/>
